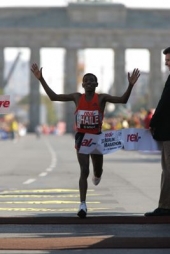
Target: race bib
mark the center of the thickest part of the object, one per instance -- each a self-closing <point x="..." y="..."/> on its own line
<point x="87" y="119"/>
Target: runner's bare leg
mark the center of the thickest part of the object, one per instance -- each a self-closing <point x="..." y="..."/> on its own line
<point x="84" y="162"/>
<point x="97" y="160"/>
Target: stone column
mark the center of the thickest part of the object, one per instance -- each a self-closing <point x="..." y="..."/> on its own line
<point x="2" y="61"/>
<point x="119" y="71"/>
<point x="70" y="86"/>
<point x="155" y="77"/>
<point x="34" y="96"/>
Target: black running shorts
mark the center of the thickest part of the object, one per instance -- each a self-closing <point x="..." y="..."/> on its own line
<point x="78" y="139"/>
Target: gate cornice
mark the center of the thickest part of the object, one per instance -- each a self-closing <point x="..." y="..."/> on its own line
<point x="107" y="26"/>
<point x="88" y="38"/>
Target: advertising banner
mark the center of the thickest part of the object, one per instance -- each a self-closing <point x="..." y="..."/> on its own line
<point x="113" y="140"/>
<point x="4" y="104"/>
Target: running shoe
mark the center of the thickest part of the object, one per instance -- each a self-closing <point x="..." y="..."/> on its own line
<point x="82" y="210"/>
<point x="96" y="180"/>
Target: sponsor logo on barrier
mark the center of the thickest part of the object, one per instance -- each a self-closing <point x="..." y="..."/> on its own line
<point x="110" y="134"/>
<point x="88" y="142"/>
<point x="4" y="104"/>
<point x="133" y="137"/>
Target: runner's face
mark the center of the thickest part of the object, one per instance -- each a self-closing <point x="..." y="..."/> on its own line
<point x="89" y="83"/>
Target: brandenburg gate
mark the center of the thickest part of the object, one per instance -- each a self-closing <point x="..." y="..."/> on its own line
<point x="81" y="25"/>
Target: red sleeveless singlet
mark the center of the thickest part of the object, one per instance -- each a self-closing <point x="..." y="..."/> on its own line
<point x="88" y="117"/>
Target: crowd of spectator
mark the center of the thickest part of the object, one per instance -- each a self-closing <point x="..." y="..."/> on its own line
<point x="139" y="119"/>
<point x="11" y="128"/>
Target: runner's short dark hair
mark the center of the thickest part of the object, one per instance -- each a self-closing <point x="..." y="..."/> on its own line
<point x="166" y="51"/>
<point x="90" y="74"/>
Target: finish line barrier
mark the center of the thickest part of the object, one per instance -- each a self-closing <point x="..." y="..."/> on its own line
<point x="113" y="140"/>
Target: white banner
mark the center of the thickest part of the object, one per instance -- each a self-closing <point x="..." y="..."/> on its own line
<point x="4" y="104"/>
<point x="113" y="140"/>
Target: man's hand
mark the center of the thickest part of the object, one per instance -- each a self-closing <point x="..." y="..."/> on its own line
<point x="36" y="71"/>
<point x="134" y="77"/>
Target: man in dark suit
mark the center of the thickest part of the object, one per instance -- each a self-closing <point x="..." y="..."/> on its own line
<point x="160" y="129"/>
